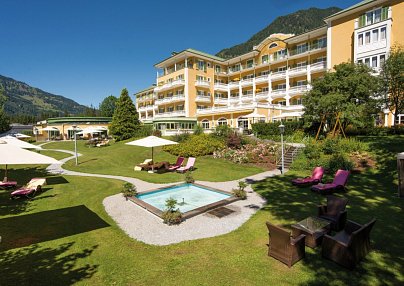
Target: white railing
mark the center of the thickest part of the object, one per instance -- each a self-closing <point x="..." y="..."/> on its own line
<point x="202" y="83"/>
<point x="298" y="70"/>
<point x="220" y="72"/>
<point x="233" y="84"/>
<point x="146" y="108"/>
<point x="225" y="108"/>
<point x="202" y="98"/>
<point x="278" y="92"/>
<point x="220" y="86"/>
<point x="247" y="81"/>
<point x="247" y="97"/>
<point x="279" y="74"/>
<point x="261" y="78"/>
<point x="171" y="113"/>
<point x="262" y="95"/>
<point x="298" y="89"/>
<point x="178" y="97"/>
<point x="174" y="83"/>
<point x="318" y="66"/>
<point x="221" y="100"/>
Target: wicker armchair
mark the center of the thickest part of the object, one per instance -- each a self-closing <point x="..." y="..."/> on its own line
<point x="348" y="246"/>
<point x="334" y="211"/>
<point x="283" y="247"/>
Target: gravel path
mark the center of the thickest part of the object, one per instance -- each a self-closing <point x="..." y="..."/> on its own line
<point x="142" y="225"/>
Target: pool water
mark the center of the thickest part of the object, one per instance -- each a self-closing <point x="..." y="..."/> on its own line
<point x="188" y="196"/>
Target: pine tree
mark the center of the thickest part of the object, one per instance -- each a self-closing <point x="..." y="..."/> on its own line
<point x="125" y="120"/>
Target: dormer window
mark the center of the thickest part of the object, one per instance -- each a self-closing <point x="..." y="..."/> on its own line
<point x="273" y="45"/>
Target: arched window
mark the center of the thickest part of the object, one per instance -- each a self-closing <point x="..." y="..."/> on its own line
<point x="273" y="45"/>
<point x="222" y="121"/>
<point x="205" y="124"/>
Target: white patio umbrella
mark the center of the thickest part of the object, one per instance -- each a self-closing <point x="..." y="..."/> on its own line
<point x="90" y="130"/>
<point x="19" y="143"/>
<point x="20" y="135"/>
<point x="12" y="155"/>
<point x="151" y="141"/>
<point x="50" y="128"/>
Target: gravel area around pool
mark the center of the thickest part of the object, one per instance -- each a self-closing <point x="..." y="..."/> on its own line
<point x="142" y="225"/>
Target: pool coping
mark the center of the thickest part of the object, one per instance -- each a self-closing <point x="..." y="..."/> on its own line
<point x="191" y="213"/>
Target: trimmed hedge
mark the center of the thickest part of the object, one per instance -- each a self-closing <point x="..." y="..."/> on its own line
<point x="264" y="130"/>
<point x="196" y="145"/>
<point x="375" y="131"/>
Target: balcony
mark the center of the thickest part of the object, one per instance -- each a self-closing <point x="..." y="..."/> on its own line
<point x="247" y="98"/>
<point x="202" y="98"/>
<point x="232" y="71"/>
<point x="202" y="83"/>
<point x="175" y="83"/>
<point x="298" y="71"/>
<point x="262" y="95"/>
<point x="234" y="84"/>
<point x="221" y="100"/>
<point x="146" y="108"/>
<point x="170" y="114"/>
<point x="231" y="108"/>
<point x="261" y="79"/>
<point x="247" y="81"/>
<point x="220" y="72"/>
<point x="298" y="89"/>
<point x="278" y="93"/>
<point x="170" y="99"/>
<point x="234" y="99"/>
<point x="318" y="66"/>
<point x="279" y="75"/>
<point x="220" y="86"/>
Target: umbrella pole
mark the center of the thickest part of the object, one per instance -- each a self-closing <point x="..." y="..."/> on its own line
<point x="5" y="175"/>
<point x="152" y="158"/>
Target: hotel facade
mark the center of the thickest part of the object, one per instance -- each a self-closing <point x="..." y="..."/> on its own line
<point x="268" y="83"/>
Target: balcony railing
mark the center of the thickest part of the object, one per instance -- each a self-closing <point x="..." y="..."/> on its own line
<point x="278" y="74"/>
<point x="202" y="98"/>
<point x="298" y="70"/>
<point x="233" y="84"/>
<point x="318" y="66"/>
<point x="170" y="113"/>
<point x="221" y="100"/>
<point x="220" y="86"/>
<point x="247" y="81"/>
<point x="262" y="95"/>
<point x="247" y="97"/>
<point x="278" y="93"/>
<point x="177" y="82"/>
<point x="178" y="97"/>
<point x="261" y="78"/>
<point x="202" y="83"/>
<point x="146" y="108"/>
<point x="298" y="89"/>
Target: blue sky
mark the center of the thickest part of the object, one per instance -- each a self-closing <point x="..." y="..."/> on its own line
<point x="87" y="50"/>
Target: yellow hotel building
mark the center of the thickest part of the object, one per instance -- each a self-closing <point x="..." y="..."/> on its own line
<point x="268" y="83"/>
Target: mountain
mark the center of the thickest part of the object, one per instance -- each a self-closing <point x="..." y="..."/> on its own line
<point x="295" y="23"/>
<point x="22" y="99"/>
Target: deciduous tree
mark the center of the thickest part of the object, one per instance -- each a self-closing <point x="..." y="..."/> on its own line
<point x="107" y="106"/>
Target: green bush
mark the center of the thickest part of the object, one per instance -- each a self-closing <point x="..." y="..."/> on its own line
<point x="331" y="146"/>
<point x="189" y="179"/>
<point x="312" y="150"/>
<point x="156" y="133"/>
<point x="198" y="130"/>
<point x="339" y="161"/>
<point x="240" y="191"/>
<point x="143" y="131"/>
<point x="374" y="131"/>
<point x="349" y="145"/>
<point x="129" y="190"/>
<point x="222" y="131"/>
<point x="180" y="137"/>
<point x="195" y="146"/>
<point x="171" y="215"/>
<point x="271" y="130"/>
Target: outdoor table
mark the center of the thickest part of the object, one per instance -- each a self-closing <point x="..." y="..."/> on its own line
<point x="314" y="228"/>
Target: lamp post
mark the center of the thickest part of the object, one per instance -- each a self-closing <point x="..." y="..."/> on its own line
<point x="282" y="131"/>
<point x="75" y="144"/>
<point x="36" y="134"/>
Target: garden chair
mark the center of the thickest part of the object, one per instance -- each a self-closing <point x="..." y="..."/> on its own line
<point x="315" y="178"/>
<point x="334" y="211"/>
<point x="178" y="164"/>
<point x="189" y="166"/>
<point x="283" y="246"/>
<point x="348" y="246"/>
<point x="8" y="184"/>
<point x="339" y="182"/>
<point x="30" y="189"/>
<point x="141" y="166"/>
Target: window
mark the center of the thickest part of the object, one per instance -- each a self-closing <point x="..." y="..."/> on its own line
<point x="264" y="59"/>
<point x="302" y="48"/>
<point x="299" y="83"/>
<point x="218" y="69"/>
<point x="205" y="124"/>
<point x="264" y="73"/>
<point x="222" y="121"/>
<point x="367" y="38"/>
<point x="301" y="64"/>
<point x="273" y="45"/>
<point x="367" y="62"/>
<point x="374" y="62"/>
<point x="242" y="123"/>
<point x="170" y="109"/>
<point x="281" y="69"/>
<point x="383" y="33"/>
<point x="360" y="62"/>
<point x="280" y="54"/>
<point x="377" y="15"/>
<point x="201" y="93"/>
<point x="281" y="86"/>
<point x="322" y="43"/>
<point x="180" y="107"/>
<point x="369" y="18"/>
<point x="161" y="110"/>
<point x="382" y="60"/>
<point x="360" y="39"/>
<point x="201" y="65"/>
<point x="375" y="35"/>
<point x="250" y="63"/>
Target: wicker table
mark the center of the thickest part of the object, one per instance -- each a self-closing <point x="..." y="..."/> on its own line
<point x="314" y="228"/>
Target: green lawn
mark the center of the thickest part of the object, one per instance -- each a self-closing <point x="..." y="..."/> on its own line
<point x="120" y="159"/>
<point x="64" y="236"/>
<point x="55" y="154"/>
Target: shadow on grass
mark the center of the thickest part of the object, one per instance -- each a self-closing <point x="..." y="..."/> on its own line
<point x="371" y="194"/>
<point x="35" y="265"/>
<point x="24" y="230"/>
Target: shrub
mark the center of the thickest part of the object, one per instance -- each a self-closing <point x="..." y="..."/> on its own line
<point x="234" y="140"/>
<point x="240" y="191"/>
<point x="339" y="161"/>
<point x="128" y="190"/>
<point x="198" y="130"/>
<point x="180" y="137"/>
<point x="331" y="146"/>
<point x="189" y="179"/>
<point x="312" y="150"/>
<point x="195" y="146"/>
<point x="271" y="130"/>
<point x="223" y="131"/>
<point x="171" y="215"/>
<point x="250" y="153"/>
<point x="144" y="131"/>
<point x="352" y="145"/>
<point x="156" y="133"/>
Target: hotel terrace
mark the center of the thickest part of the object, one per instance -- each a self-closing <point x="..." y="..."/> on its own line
<point x="269" y="83"/>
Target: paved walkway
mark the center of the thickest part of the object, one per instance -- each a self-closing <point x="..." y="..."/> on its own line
<point x="140" y="224"/>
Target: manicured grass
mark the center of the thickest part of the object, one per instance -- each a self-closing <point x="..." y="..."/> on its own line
<point x="55" y="154"/>
<point x="120" y="159"/>
<point x="64" y="236"/>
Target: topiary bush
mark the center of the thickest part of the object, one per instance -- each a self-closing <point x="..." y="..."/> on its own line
<point x="171" y="215"/>
<point x="195" y="146"/>
<point x="129" y="190"/>
<point x="240" y="191"/>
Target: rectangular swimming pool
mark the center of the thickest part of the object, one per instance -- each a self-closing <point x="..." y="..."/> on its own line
<point x="192" y="199"/>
